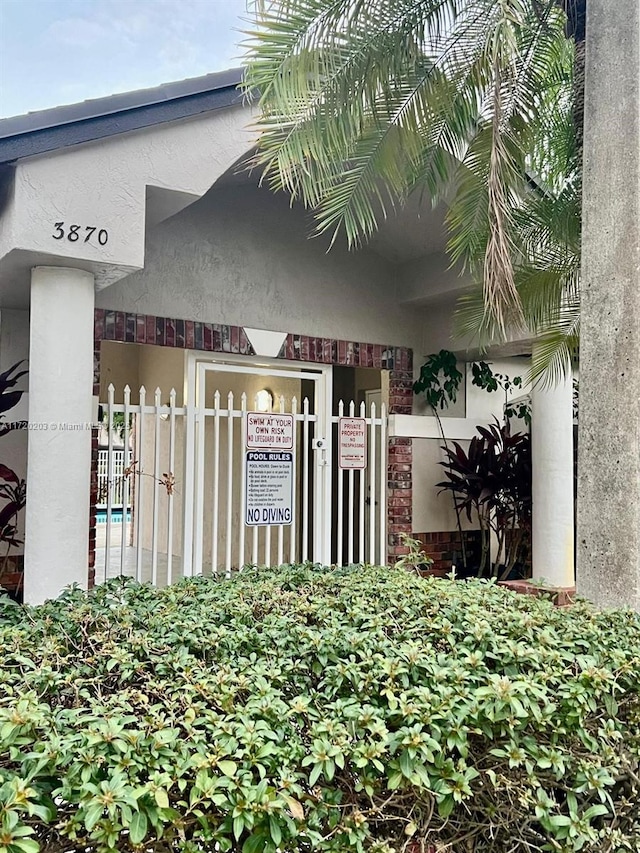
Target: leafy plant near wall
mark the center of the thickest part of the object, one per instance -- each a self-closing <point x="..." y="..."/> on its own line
<point x="475" y="490"/>
<point x="307" y="710"/>
<point x="416" y="559"/>
<point x="482" y="376"/>
<point x="492" y="485"/>
<point x="13" y="490"/>
<point x="439" y="381"/>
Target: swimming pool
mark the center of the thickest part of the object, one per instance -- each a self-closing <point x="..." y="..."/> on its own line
<point x="116" y="516"/>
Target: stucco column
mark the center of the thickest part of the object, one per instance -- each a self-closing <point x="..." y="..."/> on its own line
<point x="609" y="432"/>
<point x="60" y="412"/>
<point x="552" y="486"/>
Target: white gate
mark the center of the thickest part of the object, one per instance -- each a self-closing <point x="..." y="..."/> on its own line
<point x="193" y="477"/>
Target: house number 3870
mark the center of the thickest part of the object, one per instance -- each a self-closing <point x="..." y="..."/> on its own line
<point x="84" y="233"/>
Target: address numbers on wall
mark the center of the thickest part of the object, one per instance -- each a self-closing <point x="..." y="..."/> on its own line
<point x="82" y="233"/>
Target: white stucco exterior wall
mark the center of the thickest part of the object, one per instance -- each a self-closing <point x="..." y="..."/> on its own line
<point x="552" y="489"/>
<point x="60" y="416"/>
<point x="104" y="184"/>
<point x="243" y="256"/>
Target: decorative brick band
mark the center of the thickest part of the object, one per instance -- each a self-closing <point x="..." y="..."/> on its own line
<point x="214" y="337"/>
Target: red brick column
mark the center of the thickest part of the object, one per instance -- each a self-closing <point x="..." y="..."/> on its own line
<point x="400" y="460"/>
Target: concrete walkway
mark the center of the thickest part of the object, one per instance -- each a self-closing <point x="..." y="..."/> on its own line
<point x="116" y="566"/>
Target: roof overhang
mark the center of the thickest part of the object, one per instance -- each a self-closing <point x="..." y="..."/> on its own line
<point x="61" y="127"/>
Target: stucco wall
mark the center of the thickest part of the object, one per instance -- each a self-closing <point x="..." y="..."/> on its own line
<point x="119" y="366"/>
<point x="104" y="183"/>
<point x="241" y="255"/>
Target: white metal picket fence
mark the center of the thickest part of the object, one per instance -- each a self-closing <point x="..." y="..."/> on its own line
<point x="186" y="484"/>
<point x="115" y="482"/>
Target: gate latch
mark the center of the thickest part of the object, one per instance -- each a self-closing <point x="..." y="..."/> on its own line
<point x="321" y="445"/>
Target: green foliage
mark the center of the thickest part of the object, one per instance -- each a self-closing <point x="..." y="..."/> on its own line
<point x="439" y="379"/>
<point x="13" y="489"/>
<point x="415" y="558"/>
<point x="307" y="709"/>
<point x="470" y="103"/>
<point x="482" y="376"/>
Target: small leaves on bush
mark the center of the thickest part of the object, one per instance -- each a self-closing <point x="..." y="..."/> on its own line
<point x="308" y="709"/>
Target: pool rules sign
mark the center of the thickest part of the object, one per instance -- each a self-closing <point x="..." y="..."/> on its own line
<point x="352" y="443"/>
<point x="269" y="471"/>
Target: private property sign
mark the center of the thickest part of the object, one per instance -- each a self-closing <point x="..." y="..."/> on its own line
<point x="268" y="430"/>
<point x="269" y="491"/>
<point x="352" y="443"/>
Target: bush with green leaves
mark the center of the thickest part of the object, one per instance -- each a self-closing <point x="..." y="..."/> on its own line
<point x="309" y="709"/>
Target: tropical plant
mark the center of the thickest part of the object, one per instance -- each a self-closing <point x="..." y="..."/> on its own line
<point x="483" y="376"/>
<point x="470" y="101"/>
<point x="439" y="381"/>
<point x="13" y="489"/>
<point x="305" y="709"/>
<point x="9" y="398"/>
<point x="492" y="484"/>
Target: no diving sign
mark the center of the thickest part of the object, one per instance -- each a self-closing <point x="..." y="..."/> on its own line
<point x="269" y="488"/>
<point x="352" y="443"/>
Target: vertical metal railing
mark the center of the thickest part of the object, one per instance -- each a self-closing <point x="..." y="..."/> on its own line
<point x="220" y="493"/>
<point x="355" y="488"/>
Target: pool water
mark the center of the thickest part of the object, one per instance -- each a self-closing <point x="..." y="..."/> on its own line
<point x="116" y="516"/>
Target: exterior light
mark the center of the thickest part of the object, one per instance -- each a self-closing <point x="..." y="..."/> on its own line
<point x="264" y="400"/>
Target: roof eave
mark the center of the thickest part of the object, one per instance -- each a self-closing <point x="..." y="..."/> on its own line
<point x="117" y="114"/>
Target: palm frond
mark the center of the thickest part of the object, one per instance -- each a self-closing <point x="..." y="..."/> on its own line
<point x="364" y="101"/>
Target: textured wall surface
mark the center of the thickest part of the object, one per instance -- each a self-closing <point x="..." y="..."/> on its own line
<point x="242" y="256"/>
<point x="608" y="541"/>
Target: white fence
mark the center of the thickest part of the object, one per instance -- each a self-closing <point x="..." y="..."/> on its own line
<point x="186" y="484"/>
<point x="116" y="479"/>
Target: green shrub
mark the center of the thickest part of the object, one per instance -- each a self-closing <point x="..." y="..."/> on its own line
<point x="306" y="709"/>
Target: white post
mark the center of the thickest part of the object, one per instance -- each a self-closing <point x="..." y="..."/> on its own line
<point x="552" y="491"/>
<point x="60" y="412"/>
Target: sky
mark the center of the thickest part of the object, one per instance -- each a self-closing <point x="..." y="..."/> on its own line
<point x="56" y="52"/>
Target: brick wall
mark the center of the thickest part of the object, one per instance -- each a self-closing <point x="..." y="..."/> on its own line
<point x="214" y="337"/>
<point x="444" y="547"/>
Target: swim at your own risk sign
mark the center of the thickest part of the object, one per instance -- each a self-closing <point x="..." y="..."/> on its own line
<point x="269" y="469"/>
<point x="266" y="430"/>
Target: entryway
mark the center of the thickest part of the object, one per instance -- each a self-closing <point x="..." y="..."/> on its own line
<point x="249" y="463"/>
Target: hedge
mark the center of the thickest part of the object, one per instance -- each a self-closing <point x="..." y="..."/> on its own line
<point x="309" y="709"/>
